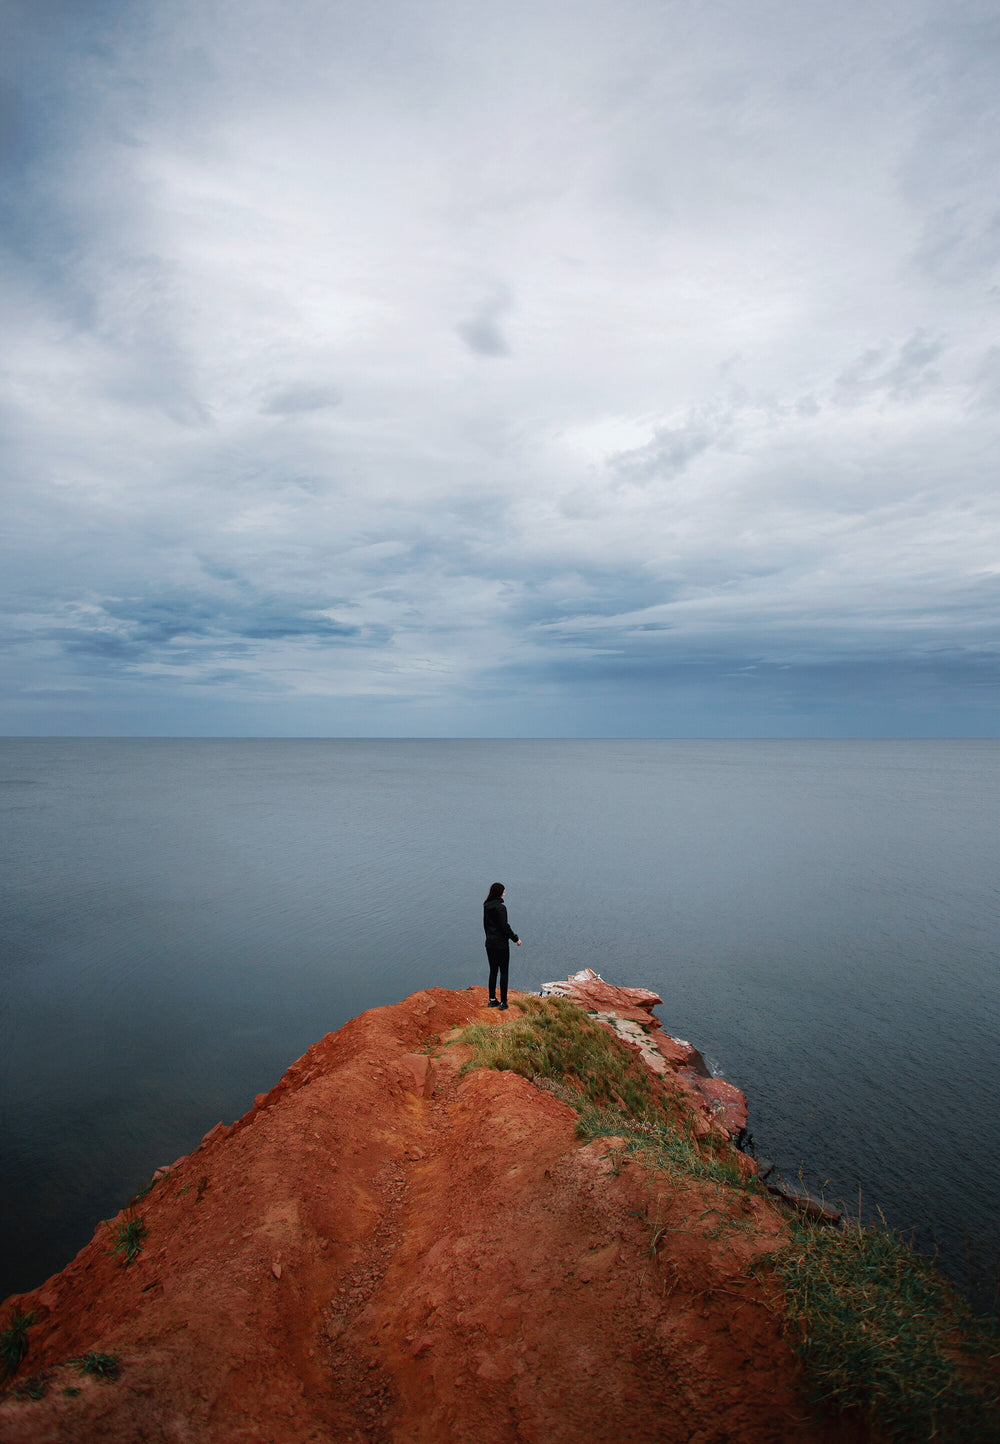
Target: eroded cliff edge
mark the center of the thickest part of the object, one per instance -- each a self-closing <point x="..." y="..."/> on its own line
<point x="391" y="1246"/>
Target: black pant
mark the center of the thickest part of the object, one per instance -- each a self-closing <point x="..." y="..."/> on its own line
<point x="498" y="956"/>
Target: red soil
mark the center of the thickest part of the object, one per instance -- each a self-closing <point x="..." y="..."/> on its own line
<point x="385" y="1251"/>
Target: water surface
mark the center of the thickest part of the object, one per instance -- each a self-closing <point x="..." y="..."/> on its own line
<point x="183" y="918"/>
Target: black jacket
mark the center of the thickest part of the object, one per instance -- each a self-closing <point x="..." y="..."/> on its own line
<point x="495" y="924"/>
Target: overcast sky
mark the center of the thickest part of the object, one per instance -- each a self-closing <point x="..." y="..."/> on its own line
<point x="443" y="368"/>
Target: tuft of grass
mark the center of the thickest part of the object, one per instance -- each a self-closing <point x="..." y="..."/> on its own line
<point x="877" y="1328"/>
<point x="14" y="1340"/>
<point x="129" y="1238"/>
<point x="147" y="1188"/>
<point x="103" y="1366"/>
<point x="667" y="1148"/>
<point x="556" y="1040"/>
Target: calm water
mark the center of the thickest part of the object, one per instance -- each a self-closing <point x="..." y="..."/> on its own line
<point x="181" y="919"/>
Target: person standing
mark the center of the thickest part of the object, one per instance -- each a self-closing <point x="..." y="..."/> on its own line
<point x="499" y="936"/>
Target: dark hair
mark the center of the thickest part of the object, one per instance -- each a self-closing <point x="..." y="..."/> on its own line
<point x="496" y="890"/>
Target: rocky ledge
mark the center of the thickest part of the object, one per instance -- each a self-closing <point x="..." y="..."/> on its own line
<point x="392" y="1247"/>
<point x="712" y="1103"/>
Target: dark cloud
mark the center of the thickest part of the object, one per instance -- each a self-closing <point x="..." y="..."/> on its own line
<point x="670" y="451"/>
<point x="182" y="629"/>
<point x="903" y="372"/>
<point x="481" y="332"/>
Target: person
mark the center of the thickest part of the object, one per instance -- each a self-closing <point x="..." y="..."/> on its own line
<point x="499" y="936"/>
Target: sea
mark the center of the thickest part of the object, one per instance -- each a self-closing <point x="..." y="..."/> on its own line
<point x="181" y="919"/>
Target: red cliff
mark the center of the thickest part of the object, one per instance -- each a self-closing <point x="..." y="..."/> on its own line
<point x="387" y="1249"/>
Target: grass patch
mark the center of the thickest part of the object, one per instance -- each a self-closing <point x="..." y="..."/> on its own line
<point x="555" y="1039"/>
<point x="14" y="1340"/>
<point x="103" y="1366"/>
<point x="668" y="1148"/>
<point x="129" y="1238"/>
<point x="878" y="1328"/>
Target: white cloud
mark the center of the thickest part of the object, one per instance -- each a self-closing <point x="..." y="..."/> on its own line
<point x="739" y="269"/>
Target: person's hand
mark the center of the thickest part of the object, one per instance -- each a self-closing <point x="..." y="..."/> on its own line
<point x="519" y="942"/>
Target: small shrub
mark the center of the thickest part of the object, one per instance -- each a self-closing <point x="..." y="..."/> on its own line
<point x="129" y="1238"/>
<point x="14" y="1340"/>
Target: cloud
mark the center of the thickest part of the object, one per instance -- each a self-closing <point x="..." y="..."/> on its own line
<point x="746" y="421"/>
<point x="901" y="373"/>
<point x="670" y="451"/>
<point x="986" y="381"/>
<point x="298" y="400"/>
<point x="184" y="630"/>
<point x="481" y="332"/>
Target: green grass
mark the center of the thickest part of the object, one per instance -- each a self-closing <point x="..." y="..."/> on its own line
<point x="877" y="1328"/>
<point x="669" y="1148"/>
<point x="103" y="1366"/>
<point x="129" y="1238"/>
<point x="555" y="1039"/>
<point x="14" y="1340"/>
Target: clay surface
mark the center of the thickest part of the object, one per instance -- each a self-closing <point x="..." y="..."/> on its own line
<point x="385" y="1250"/>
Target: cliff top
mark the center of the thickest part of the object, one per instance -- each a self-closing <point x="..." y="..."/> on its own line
<point x="400" y="1244"/>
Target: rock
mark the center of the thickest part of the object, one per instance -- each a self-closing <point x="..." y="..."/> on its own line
<point x="48" y="1295"/>
<point x="219" y="1131"/>
<point x="591" y="991"/>
<point x="676" y="1050"/>
<point x="805" y="1203"/>
<point x="715" y="1104"/>
<point x="421" y="1073"/>
<point x="726" y="1101"/>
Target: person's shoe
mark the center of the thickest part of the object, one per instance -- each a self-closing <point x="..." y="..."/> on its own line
<point x="503" y="1007"/>
<point x="493" y="1003"/>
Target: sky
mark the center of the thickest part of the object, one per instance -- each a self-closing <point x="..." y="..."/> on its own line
<point x="598" y="368"/>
